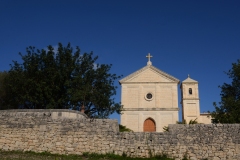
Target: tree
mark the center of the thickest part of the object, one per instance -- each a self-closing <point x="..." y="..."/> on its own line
<point x="228" y="110"/>
<point x="3" y="75"/>
<point x="62" y="79"/>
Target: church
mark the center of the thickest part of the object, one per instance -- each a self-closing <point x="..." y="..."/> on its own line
<point x="150" y="100"/>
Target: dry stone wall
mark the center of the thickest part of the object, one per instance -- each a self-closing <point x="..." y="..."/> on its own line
<point x="71" y="132"/>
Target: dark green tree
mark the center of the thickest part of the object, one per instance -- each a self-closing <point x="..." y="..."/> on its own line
<point x="228" y="110"/>
<point x="62" y="79"/>
<point x="3" y="75"/>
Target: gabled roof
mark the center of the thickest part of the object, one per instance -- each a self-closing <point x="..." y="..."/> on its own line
<point x="189" y="80"/>
<point x="157" y="73"/>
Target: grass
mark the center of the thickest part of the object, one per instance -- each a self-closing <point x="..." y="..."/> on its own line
<point x="19" y="155"/>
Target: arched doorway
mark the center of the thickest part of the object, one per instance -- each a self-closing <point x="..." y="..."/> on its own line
<point x="149" y="125"/>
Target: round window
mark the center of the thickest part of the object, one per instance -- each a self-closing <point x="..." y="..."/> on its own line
<point x="149" y="96"/>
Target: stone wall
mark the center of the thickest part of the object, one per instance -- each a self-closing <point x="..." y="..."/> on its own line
<point x="71" y="132"/>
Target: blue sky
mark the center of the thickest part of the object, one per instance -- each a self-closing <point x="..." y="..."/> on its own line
<point x="200" y="38"/>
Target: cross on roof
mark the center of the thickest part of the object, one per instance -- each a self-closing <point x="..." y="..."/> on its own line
<point x="149" y="56"/>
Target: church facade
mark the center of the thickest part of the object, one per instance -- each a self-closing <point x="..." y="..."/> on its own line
<point x="150" y="100"/>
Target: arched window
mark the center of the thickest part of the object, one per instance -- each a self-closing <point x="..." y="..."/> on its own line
<point x="149" y="125"/>
<point x="190" y="90"/>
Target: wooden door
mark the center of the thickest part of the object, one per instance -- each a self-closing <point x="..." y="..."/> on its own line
<point x="149" y="125"/>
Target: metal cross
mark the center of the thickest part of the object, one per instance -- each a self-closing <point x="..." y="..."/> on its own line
<point x="149" y="56"/>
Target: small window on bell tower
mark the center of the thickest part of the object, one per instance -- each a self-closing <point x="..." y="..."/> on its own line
<point x="190" y="90"/>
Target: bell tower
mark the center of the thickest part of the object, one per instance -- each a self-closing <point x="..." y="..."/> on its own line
<point x="190" y="100"/>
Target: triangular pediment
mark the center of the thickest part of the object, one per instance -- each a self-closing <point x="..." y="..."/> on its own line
<point x="149" y="73"/>
<point x="189" y="80"/>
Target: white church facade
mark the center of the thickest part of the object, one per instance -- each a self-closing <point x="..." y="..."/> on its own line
<point x="150" y="100"/>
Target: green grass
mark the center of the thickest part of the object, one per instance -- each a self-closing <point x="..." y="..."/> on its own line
<point x="19" y="155"/>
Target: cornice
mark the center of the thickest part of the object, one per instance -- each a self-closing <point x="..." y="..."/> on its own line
<point x="189" y="82"/>
<point x="148" y="82"/>
<point x="150" y="109"/>
<point x="164" y="73"/>
<point x="191" y="99"/>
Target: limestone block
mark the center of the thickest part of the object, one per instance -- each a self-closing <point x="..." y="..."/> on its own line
<point x="69" y="149"/>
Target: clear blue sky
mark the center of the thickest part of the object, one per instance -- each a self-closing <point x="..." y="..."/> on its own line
<point x="200" y="38"/>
